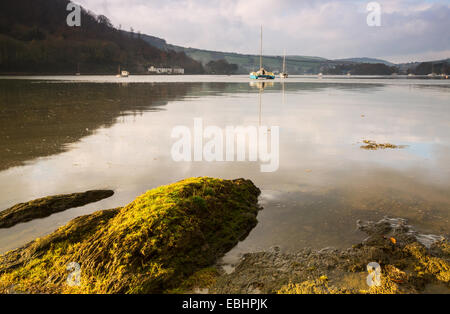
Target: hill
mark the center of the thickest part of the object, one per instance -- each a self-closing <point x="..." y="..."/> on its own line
<point x="425" y="68"/>
<point x="437" y="67"/>
<point x="248" y="62"/>
<point x="361" y="69"/>
<point x="244" y="62"/>
<point x="366" y="60"/>
<point x="35" y="38"/>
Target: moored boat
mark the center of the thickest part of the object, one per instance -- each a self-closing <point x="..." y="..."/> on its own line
<point x="262" y="73"/>
<point x="122" y="73"/>
<point x="284" y="74"/>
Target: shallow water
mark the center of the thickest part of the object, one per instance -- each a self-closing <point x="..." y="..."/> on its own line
<point x="71" y="134"/>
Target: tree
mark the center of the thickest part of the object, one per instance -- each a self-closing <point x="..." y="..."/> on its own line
<point x="221" y="67"/>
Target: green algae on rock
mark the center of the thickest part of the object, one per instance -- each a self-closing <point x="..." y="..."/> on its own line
<point x="149" y="246"/>
<point x="44" y="207"/>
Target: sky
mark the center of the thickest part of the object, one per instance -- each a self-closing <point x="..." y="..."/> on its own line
<point x="410" y="30"/>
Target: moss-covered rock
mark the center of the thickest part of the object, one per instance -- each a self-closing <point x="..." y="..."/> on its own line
<point x="149" y="246"/>
<point x="46" y="206"/>
<point x="199" y="282"/>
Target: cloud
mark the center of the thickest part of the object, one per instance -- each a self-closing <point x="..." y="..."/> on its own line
<point x="410" y="29"/>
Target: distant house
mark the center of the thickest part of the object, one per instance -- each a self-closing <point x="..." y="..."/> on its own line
<point x="156" y="70"/>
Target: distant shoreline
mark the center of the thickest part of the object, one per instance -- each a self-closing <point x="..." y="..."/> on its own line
<point x="388" y="77"/>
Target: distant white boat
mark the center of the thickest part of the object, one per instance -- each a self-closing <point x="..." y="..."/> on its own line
<point x="122" y="73"/>
<point x="320" y="75"/>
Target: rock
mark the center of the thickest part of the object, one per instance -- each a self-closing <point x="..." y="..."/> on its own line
<point x="407" y="266"/>
<point x="275" y="249"/>
<point x="149" y="246"/>
<point x="44" y="207"/>
<point x="397" y="229"/>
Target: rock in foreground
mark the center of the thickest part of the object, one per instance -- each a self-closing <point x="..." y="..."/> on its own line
<point x="148" y="246"/>
<point x="44" y="207"/>
<point x="410" y="263"/>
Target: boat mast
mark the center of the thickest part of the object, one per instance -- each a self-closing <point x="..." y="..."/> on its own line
<point x="260" y="51"/>
<point x="284" y="62"/>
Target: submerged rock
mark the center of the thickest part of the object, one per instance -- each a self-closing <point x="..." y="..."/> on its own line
<point x="407" y="265"/>
<point x="44" y="207"/>
<point x="149" y="246"/>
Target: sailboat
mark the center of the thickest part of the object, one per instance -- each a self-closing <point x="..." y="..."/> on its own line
<point x="262" y="73"/>
<point x="284" y="74"/>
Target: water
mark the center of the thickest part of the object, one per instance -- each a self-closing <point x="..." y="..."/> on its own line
<point x="71" y="134"/>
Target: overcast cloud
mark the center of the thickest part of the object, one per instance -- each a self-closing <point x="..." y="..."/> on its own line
<point x="411" y="30"/>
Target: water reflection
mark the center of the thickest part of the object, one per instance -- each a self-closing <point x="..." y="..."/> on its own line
<point x="42" y="119"/>
<point x="98" y="135"/>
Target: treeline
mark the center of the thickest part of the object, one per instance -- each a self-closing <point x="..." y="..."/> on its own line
<point x="221" y="67"/>
<point x="35" y="38"/>
<point x="361" y="69"/>
<point x="426" y="68"/>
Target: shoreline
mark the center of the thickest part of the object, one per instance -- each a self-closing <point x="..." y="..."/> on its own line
<point x="409" y="262"/>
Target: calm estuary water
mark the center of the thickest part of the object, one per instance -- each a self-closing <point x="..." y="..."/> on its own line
<point x="71" y="134"/>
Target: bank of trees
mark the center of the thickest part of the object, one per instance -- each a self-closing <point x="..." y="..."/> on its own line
<point x="34" y="37"/>
<point x="425" y="68"/>
<point x="361" y="69"/>
<point x="221" y="67"/>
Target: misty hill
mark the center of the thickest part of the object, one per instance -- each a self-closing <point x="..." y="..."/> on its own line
<point x="361" y="69"/>
<point x="365" y="60"/>
<point x="245" y="62"/>
<point x="425" y="68"/>
<point x="35" y="38"/>
<point x="437" y="67"/>
<point x="250" y="62"/>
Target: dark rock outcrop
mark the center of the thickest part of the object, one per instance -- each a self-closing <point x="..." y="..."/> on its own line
<point x="44" y="207"/>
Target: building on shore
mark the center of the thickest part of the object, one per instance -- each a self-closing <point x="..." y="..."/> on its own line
<point x="155" y="70"/>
